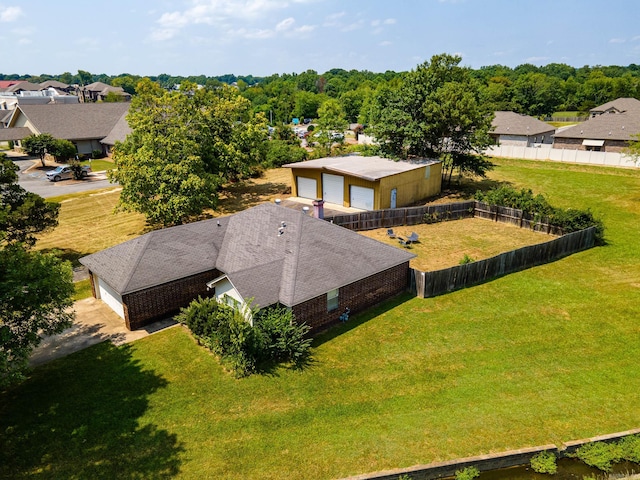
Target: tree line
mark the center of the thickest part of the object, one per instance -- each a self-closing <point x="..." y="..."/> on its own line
<point x="529" y="89"/>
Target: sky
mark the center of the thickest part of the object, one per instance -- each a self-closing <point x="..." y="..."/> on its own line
<point x="265" y="37"/>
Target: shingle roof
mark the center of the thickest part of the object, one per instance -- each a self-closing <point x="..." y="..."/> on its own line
<point x="119" y="131"/>
<point x="511" y="123"/>
<point x="28" y="86"/>
<point x="20" y="133"/>
<point x="309" y="259"/>
<point x="54" y="84"/>
<point x="620" y="104"/>
<point x="618" y="126"/>
<point x="82" y="121"/>
<point x="368" y="168"/>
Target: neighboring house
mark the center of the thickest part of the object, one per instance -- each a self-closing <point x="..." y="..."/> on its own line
<point x="22" y="86"/>
<point x="510" y="128"/>
<point x="62" y="87"/>
<point x="8" y="100"/>
<point x="263" y="256"/>
<point x="609" y="129"/>
<point x="619" y="105"/>
<point x="368" y="183"/>
<point x="98" y="91"/>
<point x="83" y="124"/>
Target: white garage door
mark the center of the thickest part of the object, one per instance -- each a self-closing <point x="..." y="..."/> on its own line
<point x="333" y="188"/>
<point x="362" y="197"/>
<point x="109" y="296"/>
<point x="307" y="188"/>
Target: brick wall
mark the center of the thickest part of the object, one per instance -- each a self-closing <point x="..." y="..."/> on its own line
<point x="146" y="306"/>
<point x="616" y="146"/>
<point x="356" y="296"/>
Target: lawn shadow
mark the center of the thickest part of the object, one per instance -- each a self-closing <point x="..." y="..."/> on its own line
<point x="360" y="318"/>
<point x="240" y="196"/>
<point x="79" y="417"/>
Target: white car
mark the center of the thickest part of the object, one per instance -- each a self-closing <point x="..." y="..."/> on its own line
<point x="63" y="172"/>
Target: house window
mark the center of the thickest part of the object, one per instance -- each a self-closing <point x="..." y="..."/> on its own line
<point x="332" y="300"/>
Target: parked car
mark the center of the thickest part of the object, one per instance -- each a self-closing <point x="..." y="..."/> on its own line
<point x="63" y="172"/>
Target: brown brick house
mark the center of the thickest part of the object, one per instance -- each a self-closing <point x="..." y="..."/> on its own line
<point x="609" y="129"/>
<point x="265" y="255"/>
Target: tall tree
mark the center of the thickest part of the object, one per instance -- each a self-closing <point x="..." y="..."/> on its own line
<point x="331" y="125"/>
<point x="436" y="112"/>
<point x="183" y="146"/>
<point x="35" y="288"/>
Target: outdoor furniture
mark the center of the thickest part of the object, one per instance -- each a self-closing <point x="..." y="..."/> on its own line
<point x="404" y="243"/>
<point x="413" y="238"/>
<point x="390" y="233"/>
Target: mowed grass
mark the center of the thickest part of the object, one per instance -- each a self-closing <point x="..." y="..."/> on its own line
<point x="443" y="245"/>
<point x="541" y="356"/>
<point x="88" y="222"/>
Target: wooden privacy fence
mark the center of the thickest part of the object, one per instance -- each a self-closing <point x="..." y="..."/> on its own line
<point x="430" y="284"/>
<point x="395" y="217"/>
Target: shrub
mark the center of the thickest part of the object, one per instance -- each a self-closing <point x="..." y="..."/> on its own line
<point x="523" y="200"/>
<point x="275" y="336"/>
<point x="466" y="259"/>
<point x="568" y="221"/>
<point x="283" y="340"/>
<point x="280" y="152"/>
<point x="468" y="473"/>
<point x="544" y="462"/>
<point x="600" y="455"/>
<point x="95" y="154"/>
<point x="62" y="150"/>
<point x="629" y="448"/>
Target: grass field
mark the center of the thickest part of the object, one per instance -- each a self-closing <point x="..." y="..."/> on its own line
<point x="541" y="356"/>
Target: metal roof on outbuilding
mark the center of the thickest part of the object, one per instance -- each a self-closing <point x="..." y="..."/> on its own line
<point x="368" y="168"/>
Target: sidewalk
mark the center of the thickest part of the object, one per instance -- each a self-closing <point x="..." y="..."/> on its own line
<point x="95" y="322"/>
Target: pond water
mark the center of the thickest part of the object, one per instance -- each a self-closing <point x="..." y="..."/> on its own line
<point x="568" y="469"/>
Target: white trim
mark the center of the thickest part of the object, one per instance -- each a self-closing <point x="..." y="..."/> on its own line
<point x="592" y="143"/>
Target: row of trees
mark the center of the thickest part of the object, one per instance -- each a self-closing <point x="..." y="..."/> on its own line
<point x="526" y="88"/>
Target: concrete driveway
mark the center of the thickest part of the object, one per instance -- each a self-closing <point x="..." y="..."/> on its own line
<point x="95" y="322"/>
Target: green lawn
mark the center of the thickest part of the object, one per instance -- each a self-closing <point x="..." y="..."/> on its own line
<point x="541" y="356"/>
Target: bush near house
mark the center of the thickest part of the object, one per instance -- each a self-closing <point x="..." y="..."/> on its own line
<point x="242" y="348"/>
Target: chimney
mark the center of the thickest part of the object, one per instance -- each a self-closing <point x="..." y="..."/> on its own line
<point x="318" y="209"/>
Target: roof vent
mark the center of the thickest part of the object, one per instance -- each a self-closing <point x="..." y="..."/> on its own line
<point x="280" y="231"/>
<point x="283" y="224"/>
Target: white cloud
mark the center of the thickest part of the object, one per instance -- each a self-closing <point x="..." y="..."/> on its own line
<point x="285" y="24"/>
<point x="617" y="40"/>
<point x="333" y="20"/>
<point x="305" y="29"/>
<point x="636" y="38"/>
<point x="375" y="23"/>
<point x="25" y="41"/>
<point x="162" y="34"/>
<point x="386" y="43"/>
<point x="390" y="21"/>
<point x="536" y="59"/>
<point x="10" y="14"/>
<point x="353" y="26"/>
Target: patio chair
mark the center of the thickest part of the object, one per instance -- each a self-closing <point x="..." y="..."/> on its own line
<point x="390" y="233"/>
<point x="413" y="238"/>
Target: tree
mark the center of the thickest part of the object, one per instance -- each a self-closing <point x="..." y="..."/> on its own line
<point x="22" y="214"/>
<point x="633" y="150"/>
<point x="35" y="288"/>
<point x="84" y="77"/>
<point x="331" y="125"/>
<point x="436" y="112"/>
<point x="184" y="145"/>
<point x="62" y="150"/>
<point x="39" y="145"/>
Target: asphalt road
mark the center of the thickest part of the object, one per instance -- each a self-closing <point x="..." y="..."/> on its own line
<point x="32" y="178"/>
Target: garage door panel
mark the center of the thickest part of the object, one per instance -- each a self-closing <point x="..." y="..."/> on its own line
<point x="333" y="188"/>
<point x="109" y="296"/>
<point x="307" y="188"/>
<point x="361" y="197"/>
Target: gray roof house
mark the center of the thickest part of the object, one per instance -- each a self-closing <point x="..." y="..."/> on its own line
<point x="619" y="105"/>
<point x="510" y="128"/>
<point x="268" y="255"/>
<point x="83" y="124"/>
<point x="611" y="128"/>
